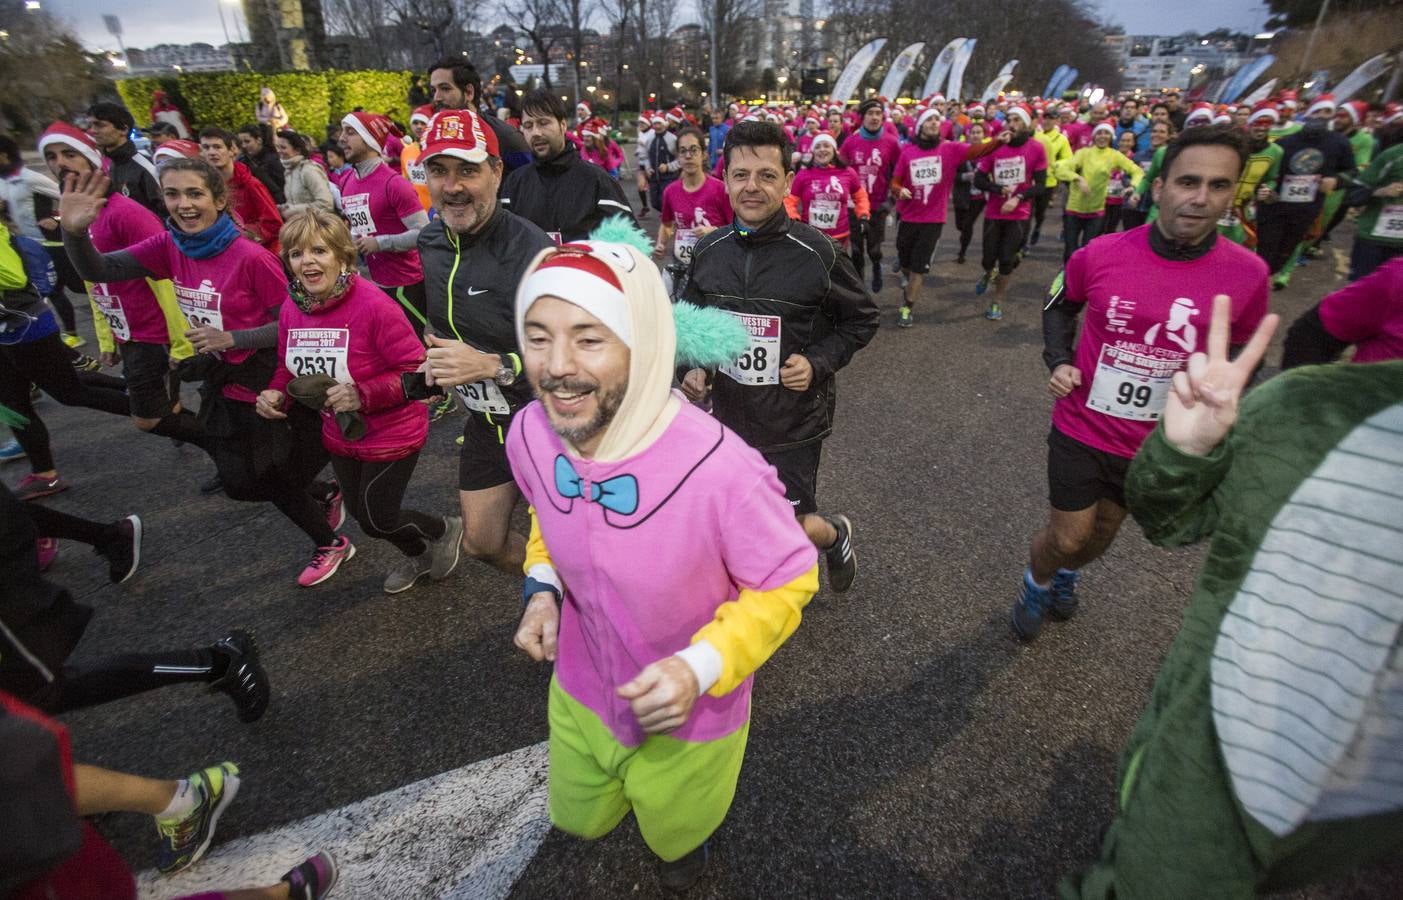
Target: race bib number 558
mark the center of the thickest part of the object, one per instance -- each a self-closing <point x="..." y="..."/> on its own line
<point x="760" y="363"/>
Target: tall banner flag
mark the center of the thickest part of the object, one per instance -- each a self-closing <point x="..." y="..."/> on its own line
<point x="1009" y="67"/>
<point x="941" y="67"/>
<point x="1066" y="82"/>
<point x="994" y="87"/>
<point x="1053" y="79"/>
<point x="957" y="68"/>
<point x="900" y="68"/>
<point x="1367" y="72"/>
<point x="1245" y="76"/>
<point x="857" y="67"/>
<point x="1260" y="93"/>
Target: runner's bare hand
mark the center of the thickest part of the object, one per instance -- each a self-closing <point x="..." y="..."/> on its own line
<point x="270" y="405"/>
<point x="540" y="624"/>
<point x="662" y="695"/>
<point x="83" y="198"/>
<point x="1065" y="379"/>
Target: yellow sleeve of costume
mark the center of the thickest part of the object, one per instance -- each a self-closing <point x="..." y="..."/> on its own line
<point x="105" y="341"/>
<point x="1066" y="169"/>
<point x="175" y="319"/>
<point x="536" y="552"/>
<point x="749" y="629"/>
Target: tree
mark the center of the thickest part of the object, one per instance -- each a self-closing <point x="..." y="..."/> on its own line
<point x="1303" y="13"/>
<point x="576" y="14"/>
<point x="540" y="21"/>
<point x="46" y="72"/>
<point x="728" y="20"/>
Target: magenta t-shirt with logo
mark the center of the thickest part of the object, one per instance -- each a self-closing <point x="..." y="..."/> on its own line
<point x="929" y="175"/>
<point x="873" y="161"/>
<point x="1010" y="165"/>
<point x="1144" y="315"/>
<point x="707" y="206"/>
<point x="129" y="307"/>
<point x="377" y="205"/>
<point x="242" y="287"/>
<point x="824" y="195"/>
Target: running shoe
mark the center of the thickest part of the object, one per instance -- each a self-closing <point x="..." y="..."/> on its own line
<point x="335" y="508"/>
<point x="904" y="317"/>
<point x="442" y="407"/>
<point x="458" y="440"/>
<point x="840" y="558"/>
<point x="1028" y="609"/>
<point x="681" y="874"/>
<point x="83" y="363"/>
<point x="46" y="548"/>
<point x="73" y="340"/>
<point x="1279" y="282"/>
<point x="244" y="679"/>
<point x="445" y="552"/>
<point x="1064" y="595"/>
<point x="11" y="451"/>
<point x="312" y="879"/>
<point x="896" y="267"/>
<point x="983" y="283"/>
<point x="407" y="571"/>
<point x="32" y="487"/>
<point x="326" y="561"/>
<point x="994" y="312"/>
<point x="1033" y="238"/>
<point x="123" y="550"/>
<point x="184" y="839"/>
<point x="876" y="278"/>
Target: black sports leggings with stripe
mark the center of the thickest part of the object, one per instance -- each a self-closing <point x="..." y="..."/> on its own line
<point x="49" y="364"/>
<point x="374" y="492"/>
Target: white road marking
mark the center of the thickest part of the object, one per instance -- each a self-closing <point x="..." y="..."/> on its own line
<point x="468" y="833"/>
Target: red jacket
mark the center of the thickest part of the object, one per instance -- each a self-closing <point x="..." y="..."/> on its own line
<point x="365" y="337"/>
<point x="253" y="208"/>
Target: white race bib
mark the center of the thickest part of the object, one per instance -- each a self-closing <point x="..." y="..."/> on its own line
<point x="357" y="210"/>
<point x="760" y="363"/>
<point x="417" y="173"/>
<point x="200" y="306"/>
<point x="823" y="214"/>
<point x="1128" y="385"/>
<point x="1299" y="188"/>
<point x="925" y="172"/>
<point x="683" y="243"/>
<point x="319" y="351"/>
<point x="1229" y="218"/>
<point x="484" y="397"/>
<point x="1009" y="171"/>
<point x="110" y="305"/>
<point x="1389" y="224"/>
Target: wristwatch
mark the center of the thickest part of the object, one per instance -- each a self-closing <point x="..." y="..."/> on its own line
<point x="506" y="372"/>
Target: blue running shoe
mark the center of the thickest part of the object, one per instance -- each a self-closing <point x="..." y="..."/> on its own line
<point x="1029" y="608"/>
<point x="983" y="283"/>
<point x="11" y="451"/>
<point x="994" y="312"/>
<point x="1064" y="595"/>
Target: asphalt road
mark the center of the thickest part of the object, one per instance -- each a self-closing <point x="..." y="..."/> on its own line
<point x="903" y="743"/>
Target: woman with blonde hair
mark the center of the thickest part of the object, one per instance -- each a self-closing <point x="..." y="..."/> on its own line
<point x="345" y="347"/>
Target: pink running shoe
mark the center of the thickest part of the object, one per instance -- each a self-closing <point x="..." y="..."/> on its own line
<point x="326" y="561"/>
<point x="32" y="487"/>
<point x="335" y="510"/>
<point x="47" y="549"/>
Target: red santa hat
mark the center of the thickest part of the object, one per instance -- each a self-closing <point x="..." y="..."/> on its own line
<point x="582" y="105"/>
<point x="176" y="150"/>
<point x="75" y="138"/>
<point x="675" y="115"/>
<point x="824" y="137"/>
<point x="1199" y="114"/>
<point x="575" y="274"/>
<point x="975" y="109"/>
<point x="928" y="114"/>
<point x="937" y="97"/>
<point x="1022" y="111"/>
<point x="1357" y="110"/>
<point x="374" y="129"/>
<point x="1222" y="116"/>
<point x="1107" y="126"/>
<point x="422" y="114"/>
<point x="1323" y="102"/>
<point x="1264" y="109"/>
<point x="1393" y="112"/>
<point x="1288" y="99"/>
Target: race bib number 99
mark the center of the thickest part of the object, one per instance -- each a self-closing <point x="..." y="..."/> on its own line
<point x="357" y="210"/>
<point x="319" y="351"/>
<point x="1130" y="385"/>
<point x="760" y="363"/>
<point x="823" y="214"/>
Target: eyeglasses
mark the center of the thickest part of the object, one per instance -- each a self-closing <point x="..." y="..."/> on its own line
<point x="688" y="151"/>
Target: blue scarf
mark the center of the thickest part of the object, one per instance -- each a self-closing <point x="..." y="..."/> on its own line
<point x="213" y="241"/>
<point x="870" y="135"/>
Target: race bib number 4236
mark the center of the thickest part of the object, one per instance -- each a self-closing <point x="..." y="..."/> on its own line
<point x="1130" y="385"/>
<point x="319" y="351"/>
<point x="760" y="363"/>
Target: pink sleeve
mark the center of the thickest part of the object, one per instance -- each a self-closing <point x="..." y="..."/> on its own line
<point x="403" y="200"/>
<point x="153" y="254"/>
<point x="399" y="351"/>
<point x="1359" y="310"/>
<point x="665" y="214"/>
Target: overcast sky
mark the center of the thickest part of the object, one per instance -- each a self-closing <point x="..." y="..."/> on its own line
<point x="187" y="21"/>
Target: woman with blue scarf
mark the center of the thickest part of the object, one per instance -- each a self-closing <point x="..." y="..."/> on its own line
<point x="229" y="289"/>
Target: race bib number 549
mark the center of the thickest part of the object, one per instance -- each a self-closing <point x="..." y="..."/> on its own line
<point x="760" y="363"/>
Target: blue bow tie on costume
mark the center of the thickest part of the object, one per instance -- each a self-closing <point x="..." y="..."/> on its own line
<point x="619" y="493"/>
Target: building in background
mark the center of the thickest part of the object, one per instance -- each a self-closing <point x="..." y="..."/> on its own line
<point x="165" y="59"/>
<point x="1156" y="62"/>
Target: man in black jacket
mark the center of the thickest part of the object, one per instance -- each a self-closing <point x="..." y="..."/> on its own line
<point x="807" y="311"/>
<point x="474" y="254"/>
<point x="560" y="192"/>
<point x="455" y="84"/>
<point x="110" y="126"/>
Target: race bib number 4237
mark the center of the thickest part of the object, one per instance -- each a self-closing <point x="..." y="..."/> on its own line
<point x="319" y="351"/>
<point x="760" y="363"/>
<point x="1010" y="171"/>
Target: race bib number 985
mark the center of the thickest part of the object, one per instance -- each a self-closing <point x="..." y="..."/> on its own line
<point x="760" y="363"/>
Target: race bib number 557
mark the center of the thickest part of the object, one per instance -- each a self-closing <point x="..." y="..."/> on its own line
<point x="760" y="363"/>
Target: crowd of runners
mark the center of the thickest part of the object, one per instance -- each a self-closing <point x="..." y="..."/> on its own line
<point x="662" y="405"/>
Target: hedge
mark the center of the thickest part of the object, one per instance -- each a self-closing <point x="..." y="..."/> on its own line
<point x="312" y="99"/>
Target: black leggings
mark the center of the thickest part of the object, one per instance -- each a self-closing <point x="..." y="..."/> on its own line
<point x="124" y="675"/>
<point x="272" y="462"/>
<point x="965" y="220"/>
<point x="47" y="363"/>
<point x="1278" y="235"/>
<point x="1040" y="205"/>
<point x="54" y="524"/>
<point x="871" y="241"/>
<point x="374" y="492"/>
<point x="1077" y="232"/>
<point x="1113" y="217"/>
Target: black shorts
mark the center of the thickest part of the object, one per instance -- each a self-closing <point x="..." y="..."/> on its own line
<point x="915" y="244"/>
<point x="1079" y="476"/>
<point x="482" y="464"/>
<point x="798" y="472"/>
<point x="1003" y="238"/>
<point x="152" y="388"/>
